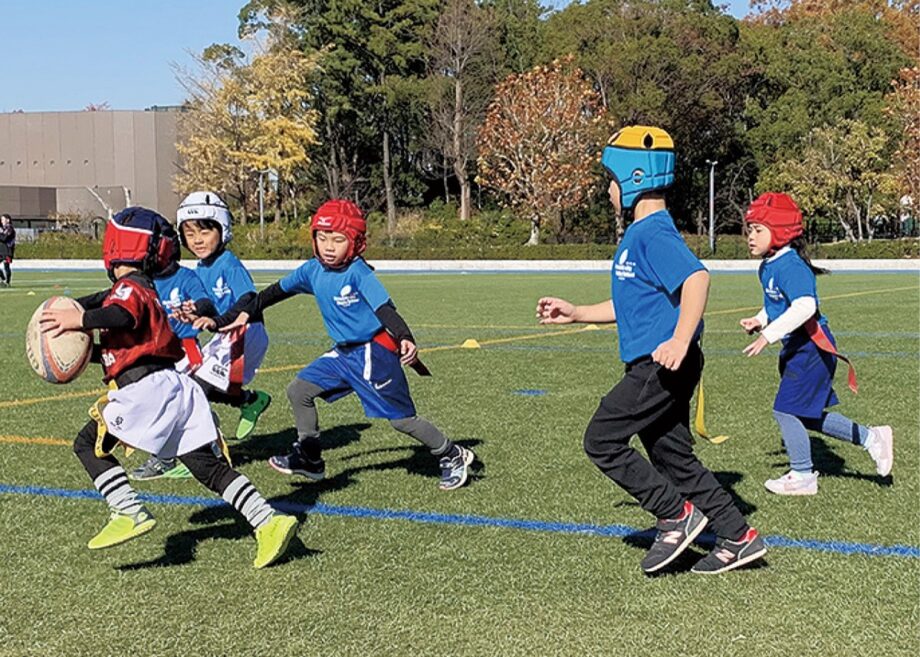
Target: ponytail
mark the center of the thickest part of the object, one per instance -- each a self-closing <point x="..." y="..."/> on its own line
<point x="801" y="247"/>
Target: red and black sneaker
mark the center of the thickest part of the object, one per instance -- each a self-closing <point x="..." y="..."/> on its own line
<point x="674" y="536"/>
<point x="728" y="555"/>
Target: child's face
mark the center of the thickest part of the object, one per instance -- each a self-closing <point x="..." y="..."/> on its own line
<point x="331" y="247"/>
<point x="202" y="241"/>
<point x="758" y="239"/>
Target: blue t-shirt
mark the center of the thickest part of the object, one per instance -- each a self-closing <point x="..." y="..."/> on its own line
<point x="347" y="298"/>
<point x="785" y="277"/>
<point x="173" y="290"/>
<point x="649" y="268"/>
<point x="225" y="280"/>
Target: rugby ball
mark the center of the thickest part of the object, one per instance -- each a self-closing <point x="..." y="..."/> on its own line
<point x="60" y="359"/>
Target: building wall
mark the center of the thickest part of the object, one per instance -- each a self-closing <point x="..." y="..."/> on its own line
<point x="108" y="149"/>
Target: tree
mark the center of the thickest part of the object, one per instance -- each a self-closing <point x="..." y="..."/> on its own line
<point x="899" y="16"/>
<point x="814" y="69"/>
<point x="246" y="117"/>
<point x="904" y="105"/>
<point x="463" y="81"/>
<point x="540" y="141"/>
<point x="843" y="173"/>
<point x="673" y="64"/>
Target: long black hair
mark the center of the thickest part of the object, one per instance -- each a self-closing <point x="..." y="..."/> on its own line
<point x="801" y="247"/>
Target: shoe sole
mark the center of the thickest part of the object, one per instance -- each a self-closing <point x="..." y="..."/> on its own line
<point x="282" y="547"/>
<point x="736" y="564"/>
<point x="312" y="476"/>
<point x="468" y="458"/>
<point x="680" y="548"/>
<point x="140" y="530"/>
<point x="794" y="493"/>
<point x="888" y="456"/>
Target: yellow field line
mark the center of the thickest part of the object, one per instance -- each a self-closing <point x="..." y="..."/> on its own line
<point x="34" y="441"/>
<point x="823" y="299"/>
<point x="426" y="350"/>
<point x="36" y="400"/>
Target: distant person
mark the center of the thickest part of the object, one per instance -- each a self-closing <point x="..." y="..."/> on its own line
<point x="808" y="359"/>
<point x="7" y="248"/>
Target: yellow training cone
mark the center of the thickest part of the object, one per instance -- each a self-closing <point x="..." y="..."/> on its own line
<point x="470" y="344"/>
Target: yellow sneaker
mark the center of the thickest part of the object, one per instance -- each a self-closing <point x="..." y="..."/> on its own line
<point x="121" y="528"/>
<point x="273" y="538"/>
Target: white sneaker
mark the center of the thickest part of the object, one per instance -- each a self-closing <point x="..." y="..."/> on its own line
<point x="794" y="483"/>
<point x="881" y="449"/>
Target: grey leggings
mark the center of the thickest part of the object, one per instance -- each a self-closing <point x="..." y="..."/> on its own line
<point x="303" y="395"/>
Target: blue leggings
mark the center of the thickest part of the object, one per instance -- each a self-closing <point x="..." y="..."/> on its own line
<point x="798" y="445"/>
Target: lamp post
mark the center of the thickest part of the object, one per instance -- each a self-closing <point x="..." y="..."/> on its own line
<point x="712" y="205"/>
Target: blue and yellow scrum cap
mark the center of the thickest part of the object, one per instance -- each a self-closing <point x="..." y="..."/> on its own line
<point x="641" y="158"/>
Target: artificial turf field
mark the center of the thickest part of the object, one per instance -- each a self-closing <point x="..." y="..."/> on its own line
<point x="539" y="555"/>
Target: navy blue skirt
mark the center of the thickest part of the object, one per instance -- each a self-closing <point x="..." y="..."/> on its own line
<point x="806" y="376"/>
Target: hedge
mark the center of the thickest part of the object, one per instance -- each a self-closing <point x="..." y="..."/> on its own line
<point x="291" y="243"/>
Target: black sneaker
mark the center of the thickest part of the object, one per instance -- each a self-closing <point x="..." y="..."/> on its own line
<point x="674" y="536"/>
<point x="455" y="467"/>
<point x="297" y="463"/>
<point x="728" y="555"/>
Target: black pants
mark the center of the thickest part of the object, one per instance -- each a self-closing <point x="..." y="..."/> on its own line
<point x="654" y="403"/>
<point x="211" y="470"/>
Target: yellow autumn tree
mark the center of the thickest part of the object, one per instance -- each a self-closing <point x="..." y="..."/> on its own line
<point x="246" y="115"/>
<point x="541" y="140"/>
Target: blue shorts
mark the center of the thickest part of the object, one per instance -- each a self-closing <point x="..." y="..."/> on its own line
<point x="807" y="377"/>
<point x="371" y="371"/>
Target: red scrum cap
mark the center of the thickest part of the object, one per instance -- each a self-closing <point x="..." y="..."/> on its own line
<point x="343" y="217"/>
<point x="780" y="214"/>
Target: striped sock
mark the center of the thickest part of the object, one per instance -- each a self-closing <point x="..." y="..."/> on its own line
<point x="246" y="499"/>
<point x="114" y="487"/>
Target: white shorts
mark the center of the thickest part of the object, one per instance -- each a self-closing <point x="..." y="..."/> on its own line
<point x="165" y="413"/>
<point x="222" y="353"/>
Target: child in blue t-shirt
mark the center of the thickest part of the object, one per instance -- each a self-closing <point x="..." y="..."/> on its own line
<point x="659" y="291"/>
<point x="808" y="358"/>
<point x="231" y="359"/>
<point x="372" y="343"/>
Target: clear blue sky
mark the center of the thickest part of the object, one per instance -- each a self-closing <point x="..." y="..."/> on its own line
<point x="66" y="54"/>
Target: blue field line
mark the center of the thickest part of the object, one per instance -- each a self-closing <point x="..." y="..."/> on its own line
<point x="615" y="531"/>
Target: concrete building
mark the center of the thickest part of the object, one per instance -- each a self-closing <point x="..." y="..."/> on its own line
<point x="79" y="162"/>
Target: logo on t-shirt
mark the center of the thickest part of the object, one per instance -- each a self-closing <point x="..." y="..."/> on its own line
<point x="174" y="299"/>
<point x="122" y="292"/>
<point x="220" y="288"/>
<point x="346" y="297"/>
<point x="772" y="291"/>
<point x="624" y="267"/>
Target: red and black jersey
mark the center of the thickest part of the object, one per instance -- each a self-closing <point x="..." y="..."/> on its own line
<point x="149" y="339"/>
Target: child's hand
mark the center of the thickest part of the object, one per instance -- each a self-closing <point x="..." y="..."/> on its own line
<point x="204" y="324"/>
<point x="756" y="346"/>
<point x="551" y="310"/>
<point x="56" y="322"/>
<point x="183" y="316"/>
<point x="241" y="320"/>
<point x="188" y="307"/>
<point x="751" y="324"/>
<point x="408" y="352"/>
<point x="671" y="354"/>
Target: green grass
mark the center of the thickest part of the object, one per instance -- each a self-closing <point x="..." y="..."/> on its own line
<point x="361" y="586"/>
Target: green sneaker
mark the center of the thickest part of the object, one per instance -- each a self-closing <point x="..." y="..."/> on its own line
<point x="273" y="538"/>
<point x="249" y="413"/>
<point x="122" y="527"/>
